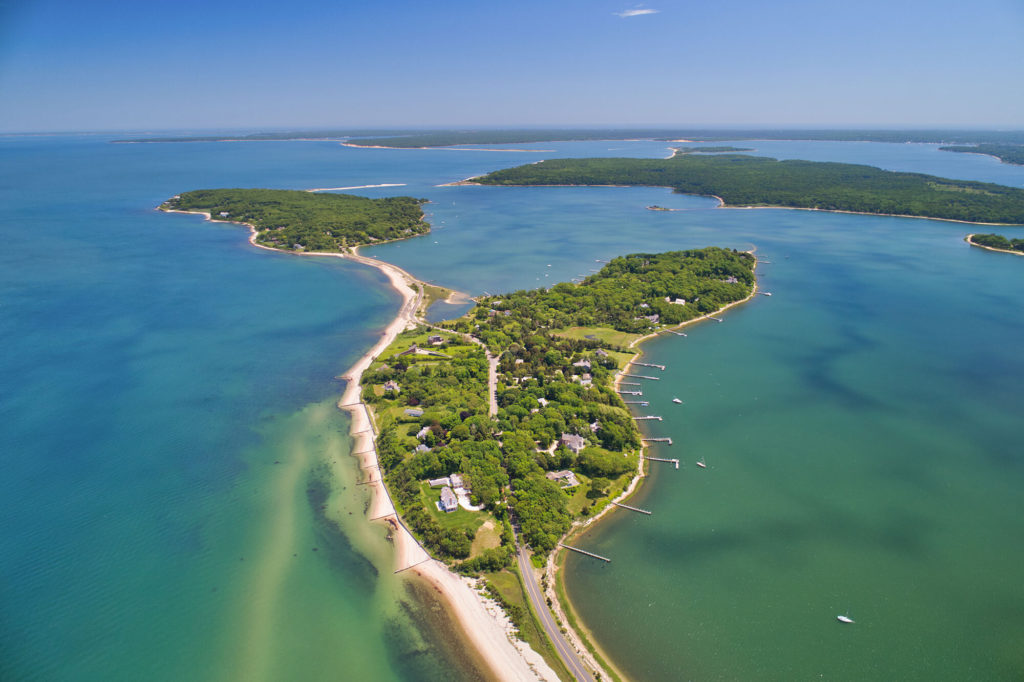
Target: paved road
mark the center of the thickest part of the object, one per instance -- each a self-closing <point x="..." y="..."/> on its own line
<point x="540" y="606"/>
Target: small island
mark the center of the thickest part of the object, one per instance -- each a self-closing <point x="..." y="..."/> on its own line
<point x="1007" y="153"/>
<point x="295" y="220"/>
<point x="997" y="242"/>
<point x="750" y="181"/>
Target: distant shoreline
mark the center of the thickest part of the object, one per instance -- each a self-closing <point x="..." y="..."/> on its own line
<point x="722" y="204"/>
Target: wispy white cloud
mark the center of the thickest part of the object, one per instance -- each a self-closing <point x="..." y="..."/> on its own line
<point x="635" y="12"/>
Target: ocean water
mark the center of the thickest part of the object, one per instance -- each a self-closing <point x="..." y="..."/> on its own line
<point x="180" y="503"/>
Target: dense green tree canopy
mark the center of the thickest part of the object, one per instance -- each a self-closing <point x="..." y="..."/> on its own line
<point x="309" y="221"/>
<point x="741" y="180"/>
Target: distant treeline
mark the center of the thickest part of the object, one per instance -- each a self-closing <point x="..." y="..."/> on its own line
<point x="1008" y="153"/>
<point x="306" y="221"/>
<point x="998" y="241"/>
<point x="710" y="150"/>
<point x="445" y="138"/>
<point x="760" y="181"/>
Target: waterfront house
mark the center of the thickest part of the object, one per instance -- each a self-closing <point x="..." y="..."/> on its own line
<point x="448" y="502"/>
<point x="392" y="385"/>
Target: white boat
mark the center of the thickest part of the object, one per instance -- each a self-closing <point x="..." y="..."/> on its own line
<point x="844" y="619"/>
<point x="701" y="464"/>
<point x="677" y="400"/>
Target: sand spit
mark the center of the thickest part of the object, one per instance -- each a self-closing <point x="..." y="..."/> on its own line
<point x="485" y="625"/>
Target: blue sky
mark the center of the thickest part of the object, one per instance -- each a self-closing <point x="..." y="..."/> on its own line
<point x="158" y="64"/>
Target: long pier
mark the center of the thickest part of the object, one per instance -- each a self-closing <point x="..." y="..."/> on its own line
<point x="583" y="551"/>
<point x="636" y="509"/>
<point x="673" y="331"/>
<point x="716" y="319"/>
<point x="648" y="364"/>
<point x="640" y="419"/>
<point x="674" y="462"/>
<point x="641" y="403"/>
<point x="640" y="376"/>
<point x="657" y="440"/>
<point x="629" y="383"/>
<point x="630" y="392"/>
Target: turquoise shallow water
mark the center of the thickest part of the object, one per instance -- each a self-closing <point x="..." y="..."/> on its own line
<point x="168" y="427"/>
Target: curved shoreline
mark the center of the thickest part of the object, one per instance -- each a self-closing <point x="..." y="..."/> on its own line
<point x="580" y="636"/>
<point x="722" y="204"/>
<point x="990" y="248"/>
<point x="484" y="626"/>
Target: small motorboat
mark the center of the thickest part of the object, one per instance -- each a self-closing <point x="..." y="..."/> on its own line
<point x="701" y="464"/>
<point x="677" y="400"/>
<point x="844" y="619"/>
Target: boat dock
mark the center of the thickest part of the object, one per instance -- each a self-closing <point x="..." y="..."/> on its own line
<point x="629" y="383"/>
<point x="674" y="462"/>
<point x="672" y="331"/>
<point x="630" y="392"/>
<point x="640" y="376"/>
<point x="583" y="551"/>
<point x="640" y="419"/>
<point x="636" y="509"/>
<point x="647" y="364"/>
<point x="641" y="403"/>
<point x="716" y="319"/>
<point x="657" y="440"/>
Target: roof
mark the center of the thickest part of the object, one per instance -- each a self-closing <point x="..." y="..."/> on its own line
<point x="414" y="412"/>
<point x="448" y="499"/>
<point x="573" y="442"/>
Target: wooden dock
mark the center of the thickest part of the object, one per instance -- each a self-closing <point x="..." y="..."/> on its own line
<point x="629" y="383"/>
<point x="636" y="509"/>
<point x="630" y="392"/>
<point x="673" y="331"/>
<point x="648" y="364"/>
<point x="674" y="462"/>
<point x="583" y="551"/>
<point x="667" y="441"/>
<point x="641" y="403"/>
<point x="645" y="418"/>
<point x="716" y="319"/>
<point x="640" y="376"/>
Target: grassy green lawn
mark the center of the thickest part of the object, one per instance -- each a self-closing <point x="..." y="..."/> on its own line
<point x="605" y="334"/>
<point x="460" y="518"/>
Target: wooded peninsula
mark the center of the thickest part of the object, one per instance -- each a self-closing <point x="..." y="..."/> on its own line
<point x="741" y="180"/>
<point x="1007" y="153"/>
<point x="562" y="443"/>
<point x="294" y="220"/>
<point x="997" y="242"/>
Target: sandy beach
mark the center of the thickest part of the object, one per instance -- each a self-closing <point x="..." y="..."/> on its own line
<point x="991" y="248"/>
<point x="484" y="624"/>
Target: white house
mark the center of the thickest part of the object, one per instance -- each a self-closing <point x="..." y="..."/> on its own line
<point x="448" y="502"/>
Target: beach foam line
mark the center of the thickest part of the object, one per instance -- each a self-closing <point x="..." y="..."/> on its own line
<point x="336" y="189"/>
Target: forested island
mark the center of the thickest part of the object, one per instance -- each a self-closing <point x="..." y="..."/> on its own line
<point x="562" y="443"/>
<point x="295" y="220"/>
<point x="1007" y="153"/>
<point x="741" y="180"/>
<point x="997" y="242"/>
